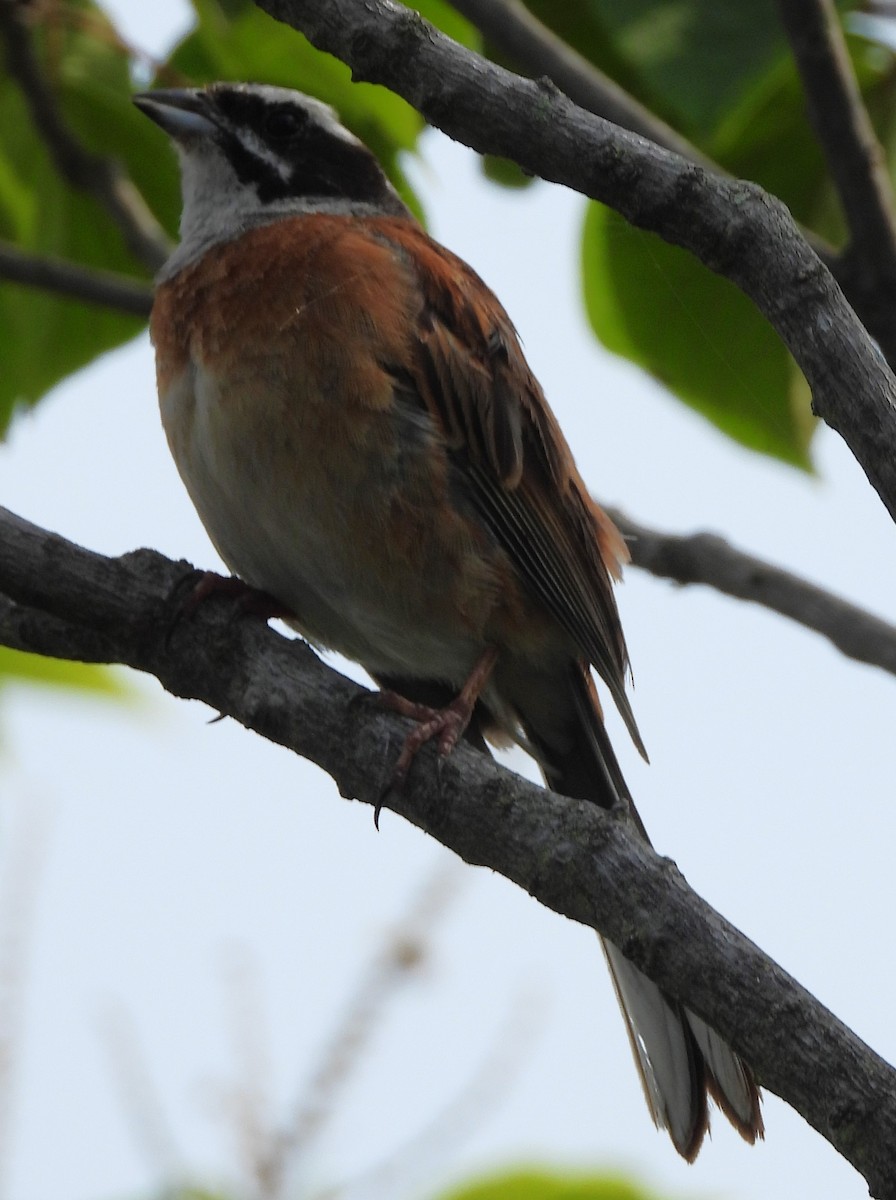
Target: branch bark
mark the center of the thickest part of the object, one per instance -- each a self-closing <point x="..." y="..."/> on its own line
<point x="854" y="156"/>
<point x="708" y="559"/>
<point x="733" y="227"/>
<point x="576" y="858"/>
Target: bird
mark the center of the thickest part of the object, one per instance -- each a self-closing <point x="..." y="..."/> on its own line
<point x="352" y="415"/>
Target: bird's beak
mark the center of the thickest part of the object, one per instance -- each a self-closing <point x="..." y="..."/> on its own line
<point x="184" y="113"/>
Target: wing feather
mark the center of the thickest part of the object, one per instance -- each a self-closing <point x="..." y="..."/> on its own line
<point x="470" y="373"/>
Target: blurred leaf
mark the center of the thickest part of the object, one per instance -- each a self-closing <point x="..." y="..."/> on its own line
<point x="721" y="74"/>
<point x="696" y="333"/>
<point x="193" y="1192"/>
<point x="542" y="1185"/>
<point x="505" y="172"/>
<point x="694" y="58"/>
<point x="690" y="61"/>
<point x="445" y="16"/>
<point x="44" y="339"/>
<point x="766" y="137"/>
<point x="17" y="667"/>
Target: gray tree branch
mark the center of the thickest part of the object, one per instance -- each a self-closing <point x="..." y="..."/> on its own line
<point x="576" y="858"/>
<point x="75" y="281"/>
<point x="708" y="559"/>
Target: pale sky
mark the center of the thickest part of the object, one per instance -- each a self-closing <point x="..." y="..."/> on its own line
<point x="173" y="848"/>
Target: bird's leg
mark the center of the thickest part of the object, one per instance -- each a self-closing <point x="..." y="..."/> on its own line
<point x="447" y="724"/>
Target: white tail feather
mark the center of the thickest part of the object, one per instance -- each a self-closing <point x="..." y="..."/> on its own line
<point x="662" y="1050"/>
<point x="727" y="1069"/>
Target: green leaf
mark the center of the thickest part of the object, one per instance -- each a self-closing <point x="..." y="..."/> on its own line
<point x="43" y="339"/>
<point x="505" y="171"/>
<point x="687" y="60"/>
<point x="696" y="333"/>
<point x="543" y="1185"/>
<point x="766" y="137"/>
<point x="18" y="667"/>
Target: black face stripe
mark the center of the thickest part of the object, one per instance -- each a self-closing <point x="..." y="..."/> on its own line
<point x="317" y="163"/>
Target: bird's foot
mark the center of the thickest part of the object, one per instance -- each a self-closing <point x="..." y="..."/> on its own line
<point x="202" y="586"/>
<point x="445" y="725"/>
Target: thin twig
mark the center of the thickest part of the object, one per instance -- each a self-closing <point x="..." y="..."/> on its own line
<point x="408" y="1168"/>
<point x="26" y="846"/>
<point x="403" y="950"/>
<point x="140" y="1100"/>
<point x="99" y="177"/>
<point x="708" y="559"/>
<point x="537" y="51"/>
<point x="249" y="1101"/>
<point x="854" y="156"/>
<point x="105" y="288"/>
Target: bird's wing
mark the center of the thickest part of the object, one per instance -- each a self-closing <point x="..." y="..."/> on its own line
<point x="470" y="373"/>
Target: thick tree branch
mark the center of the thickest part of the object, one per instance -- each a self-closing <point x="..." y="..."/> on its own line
<point x="574" y="857"/>
<point x="854" y="156"/>
<point x="99" y="177"/>
<point x="733" y="227"/>
<point x="75" y="281"/>
<point x="708" y="559"/>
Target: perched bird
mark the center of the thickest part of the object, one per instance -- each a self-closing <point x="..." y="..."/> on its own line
<point x="353" y="417"/>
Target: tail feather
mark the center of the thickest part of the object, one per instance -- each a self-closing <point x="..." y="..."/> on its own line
<point x="670" y="1064"/>
<point x="680" y="1059"/>
<point x="729" y="1080"/>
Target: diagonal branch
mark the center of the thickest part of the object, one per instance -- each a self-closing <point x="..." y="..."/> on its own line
<point x="576" y="858"/>
<point x="708" y="559"/>
<point x="733" y="227"/>
<point x="75" y="281"/>
<point x="99" y="177"/>
<point x="854" y="156"/>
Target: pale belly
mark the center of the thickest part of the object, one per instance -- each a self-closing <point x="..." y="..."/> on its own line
<point x="343" y="535"/>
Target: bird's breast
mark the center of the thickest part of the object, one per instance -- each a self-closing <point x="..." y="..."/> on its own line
<point x="318" y="484"/>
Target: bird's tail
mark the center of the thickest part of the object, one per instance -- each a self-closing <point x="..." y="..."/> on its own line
<point x="680" y="1060"/>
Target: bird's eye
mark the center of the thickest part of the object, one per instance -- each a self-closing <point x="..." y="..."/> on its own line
<point x="281" y="124"/>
